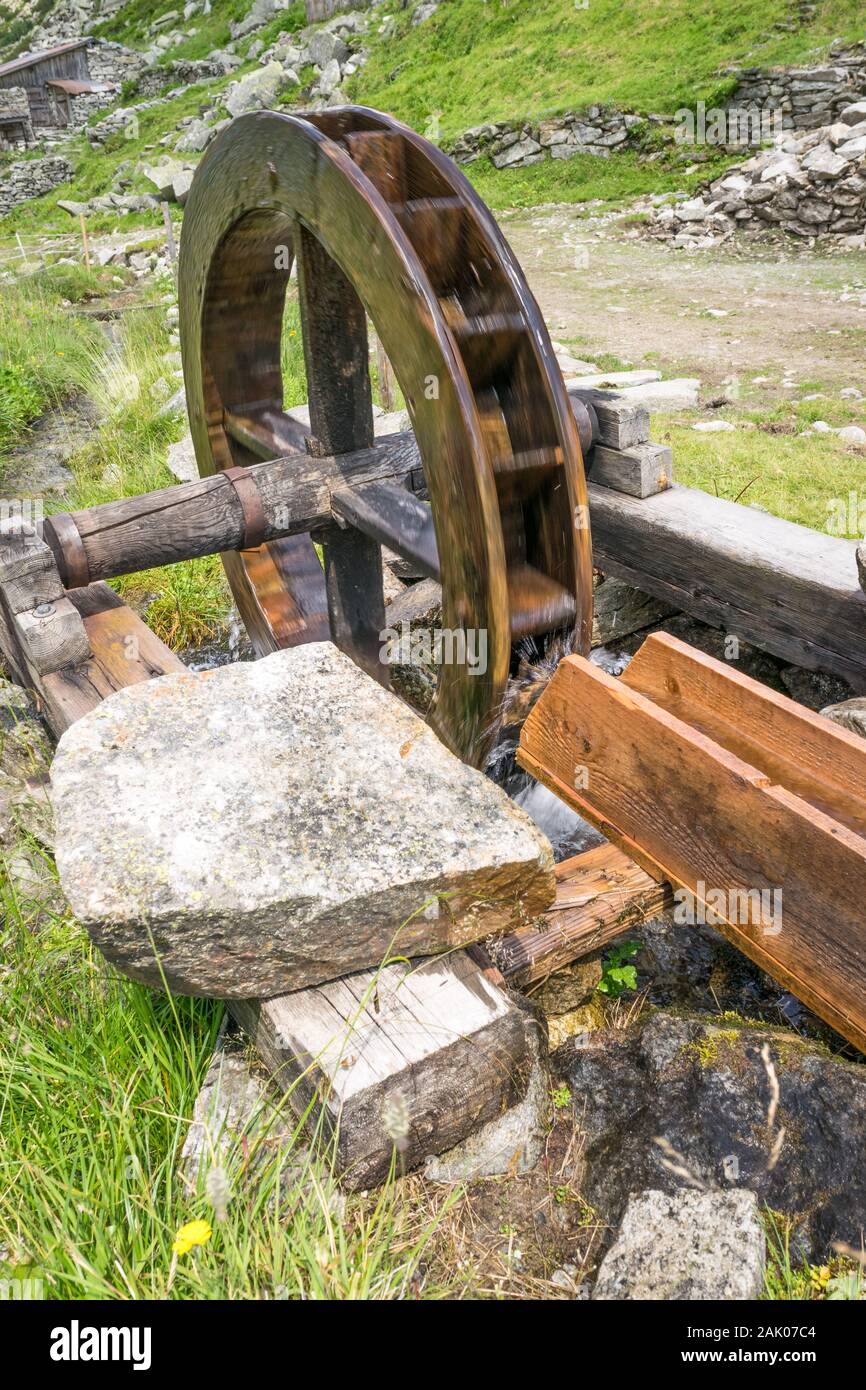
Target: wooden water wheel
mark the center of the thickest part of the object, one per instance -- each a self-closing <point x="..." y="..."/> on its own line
<point x="380" y="223"/>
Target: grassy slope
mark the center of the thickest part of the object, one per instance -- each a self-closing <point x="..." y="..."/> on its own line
<point x="483" y="60"/>
<point x="480" y="60"/>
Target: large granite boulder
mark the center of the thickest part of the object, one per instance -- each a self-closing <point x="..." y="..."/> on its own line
<point x="266" y="826"/>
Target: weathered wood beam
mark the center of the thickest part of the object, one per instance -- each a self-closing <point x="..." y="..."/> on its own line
<point x="641" y="471"/>
<point x="205" y="517"/>
<point x="789" y="590"/>
<point x="779" y="876"/>
<point x="400" y="1061"/>
<point x="600" y="894"/>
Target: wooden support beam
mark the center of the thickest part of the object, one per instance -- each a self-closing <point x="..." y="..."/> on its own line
<point x="40" y="628"/>
<point x="124" y="652"/>
<point x="619" y="423"/>
<point x="337" y="361"/>
<point x="206" y="517"/>
<point x="789" y="590"/>
<point x="641" y="471"/>
<point x="600" y="894"/>
<point x="412" y="1059"/>
<point x="782" y="878"/>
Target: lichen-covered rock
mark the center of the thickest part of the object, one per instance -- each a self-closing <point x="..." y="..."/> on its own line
<point x="703" y="1088"/>
<point x="686" y="1245"/>
<point x="267" y="826"/>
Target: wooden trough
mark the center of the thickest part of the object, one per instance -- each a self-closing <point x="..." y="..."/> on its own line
<point x="703" y="782"/>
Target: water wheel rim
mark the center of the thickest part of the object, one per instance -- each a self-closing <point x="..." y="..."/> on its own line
<point x="264" y="175"/>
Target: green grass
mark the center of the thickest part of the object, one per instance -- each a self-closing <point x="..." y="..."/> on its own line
<point x="807" y="479"/>
<point x="486" y="60"/>
<point x="789" y="1279"/>
<point x="585" y="178"/>
<point x="46" y="353"/>
<point x="98" y="1077"/>
<point x="131" y="26"/>
<point x="185" y="604"/>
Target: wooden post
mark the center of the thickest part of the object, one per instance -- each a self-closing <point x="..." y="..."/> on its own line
<point x="169" y="233"/>
<point x="83" y="226"/>
<point x="386" y="378"/>
<point x="337" y="360"/>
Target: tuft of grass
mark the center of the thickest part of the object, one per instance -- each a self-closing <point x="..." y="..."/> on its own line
<point x="46" y="353"/>
<point x="98" y="1078"/>
<point x="789" y="1279"/>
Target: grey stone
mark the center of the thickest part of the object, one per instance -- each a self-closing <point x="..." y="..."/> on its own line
<point x="693" y="210"/>
<point x="853" y="114"/>
<point x="814" y="211"/>
<point x="689" y="1245"/>
<point x="256" y="91"/>
<point x="329" y="79"/>
<point x="701" y="1084"/>
<point x="266" y="826"/>
<point x="237" y="1118"/>
<point x="852" y="149"/>
<point x="326" y="47"/>
<point x="197" y="136"/>
<point x="823" y="162"/>
<point x="181" y="460"/>
<point x="850" y="714"/>
<point x="517" y="153"/>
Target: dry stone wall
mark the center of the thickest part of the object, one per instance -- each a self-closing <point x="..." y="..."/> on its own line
<point x="517" y="144"/>
<point x="806" y="97"/>
<point x="30" y="178"/>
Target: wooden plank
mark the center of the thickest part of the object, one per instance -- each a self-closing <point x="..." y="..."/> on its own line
<point x="789" y="590"/>
<point x="641" y="471"/>
<point x="420" y="1057"/>
<point x="124" y="652"/>
<point x="811" y="756"/>
<point x="691" y="811"/>
<point x="600" y="894"/>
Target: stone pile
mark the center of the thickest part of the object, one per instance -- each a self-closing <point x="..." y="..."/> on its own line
<point x="809" y="185"/>
<point x="517" y="144"/>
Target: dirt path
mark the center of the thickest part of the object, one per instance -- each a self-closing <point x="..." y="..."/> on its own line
<point x="792" y="314"/>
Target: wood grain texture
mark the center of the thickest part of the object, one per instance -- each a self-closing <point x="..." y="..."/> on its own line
<point x="641" y="471"/>
<point x="124" y="652"/>
<point x="419" y="1056"/>
<point x="620" y="423"/>
<point x="696" y="813"/>
<point x="811" y="756"/>
<point x="189" y="520"/>
<point x="789" y="590"/>
<point x="599" y="895"/>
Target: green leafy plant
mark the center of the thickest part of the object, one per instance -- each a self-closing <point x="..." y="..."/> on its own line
<point x="561" y="1097"/>
<point x="617" y="975"/>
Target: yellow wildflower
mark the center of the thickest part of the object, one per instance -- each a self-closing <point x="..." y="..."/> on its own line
<point x="192" y="1233"/>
